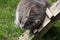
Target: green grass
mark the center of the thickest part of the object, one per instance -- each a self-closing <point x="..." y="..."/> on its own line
<point x="9" y="31"/>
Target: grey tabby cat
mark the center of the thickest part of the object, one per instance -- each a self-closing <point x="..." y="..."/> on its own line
<point x="30" y="14"/>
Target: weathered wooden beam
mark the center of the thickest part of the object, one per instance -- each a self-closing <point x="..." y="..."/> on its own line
<point x="50" y="20"/>
<point x="55" y="9"/>
<point x="26" y="36"/>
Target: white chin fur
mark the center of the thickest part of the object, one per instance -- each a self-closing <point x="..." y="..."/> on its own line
<point x="21" y="26"/>
<point x="18" y="24"/>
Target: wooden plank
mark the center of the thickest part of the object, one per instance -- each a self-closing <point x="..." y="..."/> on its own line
<point x="55" y="9"/>
<point x="49" y="13"/>
<point x="47" y="23"/>
<point x="26" y="36"/>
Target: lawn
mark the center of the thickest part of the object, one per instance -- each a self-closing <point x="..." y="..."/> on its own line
<point x="9" y="31"/>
